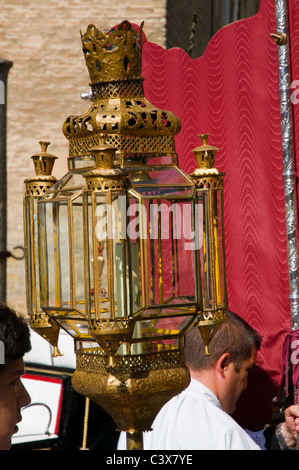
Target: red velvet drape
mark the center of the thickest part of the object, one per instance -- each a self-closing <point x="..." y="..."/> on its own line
<point x="232" y="93"/>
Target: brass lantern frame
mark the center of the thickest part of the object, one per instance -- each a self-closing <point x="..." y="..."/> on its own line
<point x="37" y="186"/>
<point x="209" y="184"/>
<point x="129" y="353"/>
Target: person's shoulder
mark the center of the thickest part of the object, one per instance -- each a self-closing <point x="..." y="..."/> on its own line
<point x="192" y="403"/>
<point x="235" y="436"/>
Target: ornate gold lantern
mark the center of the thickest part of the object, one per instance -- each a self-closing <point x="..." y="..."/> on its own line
<point x="119" y="242"/>
<point x="36" y="186"/>
<point x="209" y="184"/>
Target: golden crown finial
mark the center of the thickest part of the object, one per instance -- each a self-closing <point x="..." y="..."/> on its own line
<point x="113" y="54"/>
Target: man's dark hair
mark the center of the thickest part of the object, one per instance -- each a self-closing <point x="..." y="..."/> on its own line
<point x="14" y="334"/>
<point x="234" y="336"/>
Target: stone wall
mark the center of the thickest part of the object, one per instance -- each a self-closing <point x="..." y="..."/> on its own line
<point x="42" y="39"/>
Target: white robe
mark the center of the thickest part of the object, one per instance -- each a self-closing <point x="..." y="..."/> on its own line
<point x="194" y="420"/>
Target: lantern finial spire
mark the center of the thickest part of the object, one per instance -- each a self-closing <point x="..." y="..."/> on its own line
<point x="43" y="161"/>
<point x="44" y="145"/>
<point x="204" y="138"/>
<point x="205" y="157"/>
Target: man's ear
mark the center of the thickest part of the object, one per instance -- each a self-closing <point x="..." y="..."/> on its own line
<point x="222" y="363"/>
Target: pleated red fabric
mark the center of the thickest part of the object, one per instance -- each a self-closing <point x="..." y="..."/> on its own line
<point x="232" y="92"/>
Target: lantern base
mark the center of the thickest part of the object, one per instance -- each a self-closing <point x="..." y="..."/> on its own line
<point x="133" y="395"/>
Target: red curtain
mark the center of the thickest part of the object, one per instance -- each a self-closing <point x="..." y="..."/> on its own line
<point x="231" y="91"/>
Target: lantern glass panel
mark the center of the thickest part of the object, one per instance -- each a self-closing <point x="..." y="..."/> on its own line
<point x="54" y="218"/>
<point x="165" y="229"/>
<point x="74" y="323"/>
<point x="34" y="255"/>
<point x="210" y="223"/>
<point x="30" y="244"/>
<point x="61" y="254"/>
<point x="156" y="177"/>
<point x="159" y="331"/>
<point x="68" y="182"/>
<point x="47" y="255"/>
<point x="77" y="253"/>
<point x="113" y="260"/>
<point x="161" y="223"/>
<point x="61" y="244"/>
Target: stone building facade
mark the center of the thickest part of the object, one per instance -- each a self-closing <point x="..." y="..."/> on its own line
<point x="45" y="84"/>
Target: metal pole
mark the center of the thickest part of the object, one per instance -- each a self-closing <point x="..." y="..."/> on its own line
<point x="289" y="167"/>
<point x="282" y="39"/>
<point x="5" y="66"/>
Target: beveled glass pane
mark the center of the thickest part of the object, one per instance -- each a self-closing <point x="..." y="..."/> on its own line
<point x="160" y="329"/>
<point x="186" y="246"/>
<point x="206" y="254"/>
<point x="88" y="248"/>
<point x="73" y="322"/>
<point x="119" y="254"/>
<point x="219" y="248"/>
<point x="137" y="245"/>
<point x="35" y="257"/>
<point x="54" y="254"/>
<point x="28" y="209"/>
<point x="127" y="280"/>
<point x="210" y="225"/>
<point x="81" y="162"/>
<point x="107" y="244"/>
<point x="66" y="187"/>
<point x="78" y="254"/>
<point x="48" y="258"/>
<point x="157" y="177"/>
<point x="164" y="231"/>
<point x="99" y="255"/>
<point x="63" y="254"/>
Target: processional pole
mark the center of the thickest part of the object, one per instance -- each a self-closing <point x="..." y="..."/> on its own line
<point x="289" y="166"/>
<point x="282" y="38"/>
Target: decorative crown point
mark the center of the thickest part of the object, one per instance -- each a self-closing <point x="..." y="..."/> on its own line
<point x="113" y="54"/>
